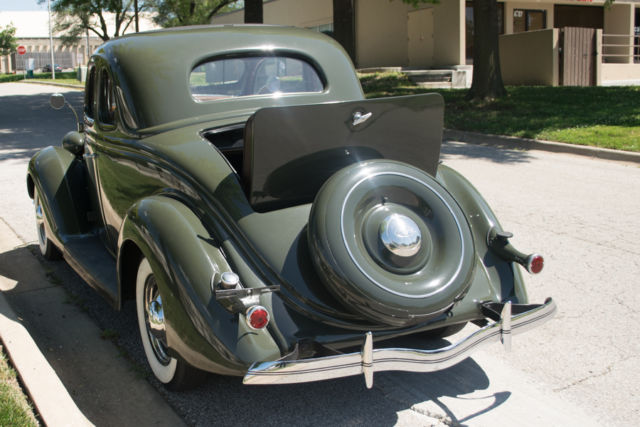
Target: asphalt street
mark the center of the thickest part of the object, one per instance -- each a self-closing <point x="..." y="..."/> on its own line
<point x="578" y="369"/>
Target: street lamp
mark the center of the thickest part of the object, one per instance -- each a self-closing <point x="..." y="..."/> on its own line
<point x="53" y="64"/>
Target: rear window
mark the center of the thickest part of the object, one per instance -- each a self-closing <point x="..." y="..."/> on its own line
<point x="250" y="76"/>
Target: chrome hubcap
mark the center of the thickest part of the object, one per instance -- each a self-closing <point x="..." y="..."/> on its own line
<point x="154" y="320"/>
<point x="400" y="235"/>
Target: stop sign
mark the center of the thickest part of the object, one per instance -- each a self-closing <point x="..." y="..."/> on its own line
<point x="22" y="50"/>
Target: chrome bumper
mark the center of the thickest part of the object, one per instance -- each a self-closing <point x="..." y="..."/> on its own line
<point x="507" y="319"/>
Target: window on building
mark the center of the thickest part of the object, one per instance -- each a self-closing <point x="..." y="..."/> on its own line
<point x="529" y="20"/>
<point x="469" y="27"/>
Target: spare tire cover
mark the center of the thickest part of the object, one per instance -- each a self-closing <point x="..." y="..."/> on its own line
<point x="391" y="242"/>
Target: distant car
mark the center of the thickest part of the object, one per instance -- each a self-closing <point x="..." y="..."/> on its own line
<point x="267" y="218"/>
<point x="47" y="68"/>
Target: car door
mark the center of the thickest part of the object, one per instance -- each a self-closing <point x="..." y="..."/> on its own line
<point x="102" y="138"/>
<point x="95" y="216"/>
<point x="122" y="170"/>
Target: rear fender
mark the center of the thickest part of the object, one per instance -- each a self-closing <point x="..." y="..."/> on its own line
<point x="504" y="277"/>
<point x="185" y="258"/>
<point x="59" y="178"/>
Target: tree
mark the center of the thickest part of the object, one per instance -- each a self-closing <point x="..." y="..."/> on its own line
<point x="487" y="81"/>
<point x="75" y="17"/>
<point x="8" y="43"/>
<point x="253" y="12"/>
<point x="174" y="13"/>
<point x="343" y="28"/>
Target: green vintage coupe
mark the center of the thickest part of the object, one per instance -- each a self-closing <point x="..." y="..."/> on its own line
<point x="266" y="218"/>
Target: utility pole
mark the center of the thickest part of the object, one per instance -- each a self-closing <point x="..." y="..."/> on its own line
<point x="53" y="64"/>
<point x="135" y="9"/>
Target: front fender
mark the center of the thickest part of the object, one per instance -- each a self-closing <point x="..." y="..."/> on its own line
<point x="184" y="257"/>
<point x="59" y="178"/>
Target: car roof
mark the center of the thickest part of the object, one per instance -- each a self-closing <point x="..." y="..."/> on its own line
<point x="152" y="69"/>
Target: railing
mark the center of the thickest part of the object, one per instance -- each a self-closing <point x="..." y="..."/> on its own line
<point x="621" y="48"/>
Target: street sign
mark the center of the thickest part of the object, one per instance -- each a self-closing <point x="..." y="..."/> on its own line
<point x="22" y="50"/>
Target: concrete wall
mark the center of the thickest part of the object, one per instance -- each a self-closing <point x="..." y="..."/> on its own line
<point x="620" y="74"/>
<point x="381" y="27"/>
<point x="530" y="58"/>
<point x="381" y="33"/>
<point x="618" y="20"/>
<point x="449" y="36"/>
<point x="299" y="13"/>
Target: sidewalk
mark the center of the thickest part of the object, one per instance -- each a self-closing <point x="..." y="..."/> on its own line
<point x="72" y="375"/>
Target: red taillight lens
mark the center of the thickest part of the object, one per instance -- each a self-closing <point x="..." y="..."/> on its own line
<point x="257" y="317"/>
<point x="535" y="264"/>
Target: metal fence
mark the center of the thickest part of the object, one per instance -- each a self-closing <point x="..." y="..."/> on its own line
<point x="621" y="48"/>
<point x="64" y="59"/>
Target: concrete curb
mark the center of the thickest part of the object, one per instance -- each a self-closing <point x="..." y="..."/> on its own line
<point x="51" y="84"/>
<point x="515" y="143"/>
<point x="38" y="377"/>
<point x="49" y="396"/>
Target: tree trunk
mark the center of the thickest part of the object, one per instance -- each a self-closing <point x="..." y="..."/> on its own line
<point x="487" y="78"/>
<point x="343" y="26"/>
<point x="253" y="12"/>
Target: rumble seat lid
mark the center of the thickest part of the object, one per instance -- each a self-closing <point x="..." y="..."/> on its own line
<point x="289" y="152"/>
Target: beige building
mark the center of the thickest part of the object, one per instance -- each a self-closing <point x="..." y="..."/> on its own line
<point x="32" y="32"/>
<point x="390" y="33"/>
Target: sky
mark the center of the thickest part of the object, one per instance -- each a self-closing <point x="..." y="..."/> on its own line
<point x="7" y="5"/>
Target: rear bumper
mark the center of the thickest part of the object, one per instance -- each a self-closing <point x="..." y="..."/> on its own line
<point x="507" y="320"/>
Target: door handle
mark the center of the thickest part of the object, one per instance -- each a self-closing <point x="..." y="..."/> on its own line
<point x="89" y="156"/>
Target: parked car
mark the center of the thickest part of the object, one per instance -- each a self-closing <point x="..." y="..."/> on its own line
<point x="47" y="68"/>
<point x="267" y="218"/>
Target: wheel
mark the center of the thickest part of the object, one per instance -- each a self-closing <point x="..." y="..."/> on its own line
<point x="47" y="249"/>
<point x="391" y="242"/>
<point x="174" y="373"/>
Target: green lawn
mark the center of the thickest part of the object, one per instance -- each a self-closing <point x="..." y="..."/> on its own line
<point x="14" y="407"/>
<point x="598" y="116"/>
<point x="74" y="82"/>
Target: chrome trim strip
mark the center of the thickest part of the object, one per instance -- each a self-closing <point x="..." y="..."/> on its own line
<point x="371" y="360"/>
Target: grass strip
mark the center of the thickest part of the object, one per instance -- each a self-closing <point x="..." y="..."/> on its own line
<point x="599" y="116"/>
<point x="15" y="409"/>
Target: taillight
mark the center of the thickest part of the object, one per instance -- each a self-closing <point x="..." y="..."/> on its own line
<point x="257" y="317"/>
<point x="535" y="263"/>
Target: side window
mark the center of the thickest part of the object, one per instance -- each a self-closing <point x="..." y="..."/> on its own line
<point x="89" y="94"/>
<point x="106" y="100"/>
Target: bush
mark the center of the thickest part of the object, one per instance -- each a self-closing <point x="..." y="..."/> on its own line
<point x="16" y="77"/>
<point x="10" y="77"/>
